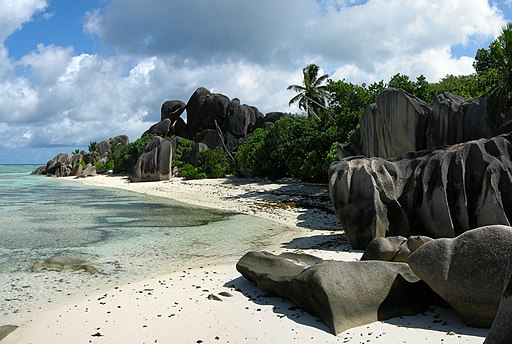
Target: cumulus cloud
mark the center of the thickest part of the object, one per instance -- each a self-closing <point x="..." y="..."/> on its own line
<point x="157" y="50"/>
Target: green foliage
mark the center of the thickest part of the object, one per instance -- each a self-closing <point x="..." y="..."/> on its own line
<point x="94" y="151"/>
<point x="251" y="154"/>
<point x="181" y="154"/>
<point x="294" y="147"/>
<point x="213" y="162"/>
<point x="312" y="93"/>
<point x="188" y="171"/>
<point x="101" y="166"/>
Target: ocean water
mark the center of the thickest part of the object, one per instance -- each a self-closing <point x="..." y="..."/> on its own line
<point x="128" y="236"/>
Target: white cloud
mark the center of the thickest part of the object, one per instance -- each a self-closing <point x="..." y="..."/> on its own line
<point x="252" y="50"/>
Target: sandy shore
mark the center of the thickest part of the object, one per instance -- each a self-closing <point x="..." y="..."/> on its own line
<point x="213" y="303"/>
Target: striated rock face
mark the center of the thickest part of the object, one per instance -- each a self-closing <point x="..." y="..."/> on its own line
<point x="341" y="294"/>
<point x="395" y="124"/>
<point x="155" y="163"/>
<point x="436" y="193"/>
<point x="470" y="271"/>
<point x="501" y="329"/>
<point x="394" y="249"/>
<point x="398" y="123"/>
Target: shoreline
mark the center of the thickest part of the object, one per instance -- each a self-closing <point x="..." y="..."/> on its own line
<point x="213" y="303"/>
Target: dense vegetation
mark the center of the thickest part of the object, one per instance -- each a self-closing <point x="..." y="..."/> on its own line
<point x="302" y="147"/>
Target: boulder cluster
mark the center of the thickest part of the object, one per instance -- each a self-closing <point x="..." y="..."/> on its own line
<point x="426" y="191"/>
<point x="80" y="165"/>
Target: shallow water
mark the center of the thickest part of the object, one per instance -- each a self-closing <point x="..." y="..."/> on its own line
<point x="129" y="236"/>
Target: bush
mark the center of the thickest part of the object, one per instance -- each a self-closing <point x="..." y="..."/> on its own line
<point x="213" y="162"/>
<point x="130" y="153"/>
<point x="107" y="166"/>
<point x="181" y="154"/>
<point x="250" y="156"/>
<point x="188" y="171"/>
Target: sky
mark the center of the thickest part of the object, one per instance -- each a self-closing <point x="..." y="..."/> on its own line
<point x="72" y="72"/>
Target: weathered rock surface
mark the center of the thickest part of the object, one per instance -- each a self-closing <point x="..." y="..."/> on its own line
<point x="501" y="329"/>
<point x="172" y="109"/>
<point x="59" y="263"/>
<point x="5" y="330"/>
<point x="436" y="193"/>
<point x="394" y="249"/>
<point x="89" y="171"/>
<point x="161" y="128"/>
<point x="398" y="123"/>
<point x="341" y="294"/>
<point x="155" y="163"/>
<point x="469" y="272"/>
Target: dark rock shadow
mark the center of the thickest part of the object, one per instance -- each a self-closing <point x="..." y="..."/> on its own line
<point x="332" y="242"/>
<point x="293" y="194"/>
<point x="281" y="307"/>
<point x="441" y="319"/>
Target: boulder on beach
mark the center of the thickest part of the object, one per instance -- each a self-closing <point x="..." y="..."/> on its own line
<point x="59" y="263"/>
<point x="437" y="193"/>
<point x="469" y="272"/>
<point x="501" y="329"/>
<point x="394" y="249"/>
<point x="341" y="294"/>
<point x="5" y="330"/>
<point x="172" y="110"/>
<point x="155" y="163"/>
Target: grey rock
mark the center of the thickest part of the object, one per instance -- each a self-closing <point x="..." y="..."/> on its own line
<point x="59" y="263"/>
<point x="58" y="164"/>
<point x="77" y="170"/>
<point x="341" y="294"/>
<point x="197" y="114"/>
<point x="104" y="148"/>
<point x="155" y="163"/>
<point x="5" y="330"/>
<point x="172" y="110"/>
<point x="501" y="329"/>
<point x="395" y="124"/>
<point x="161" y="128"/>
<point x="210" y="138"/>
<point x="181" y="128"/>
<point x="436" y="193"/>
<point x="241" y="118"/>
<point x="394" y="249"/>
<point x="469" y="272"/>
<point x="89" y="171"/>
<point x="198" y="147"/>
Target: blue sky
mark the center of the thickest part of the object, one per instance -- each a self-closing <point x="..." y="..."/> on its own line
<point x="77" y="71"/>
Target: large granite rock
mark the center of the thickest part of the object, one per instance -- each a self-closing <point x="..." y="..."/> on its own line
<point x="436" y="193"/>
<point x="204" y="109"/>
<point x="395" y="124"/>
<point x="241" y="118"/>
<point x="398" y="123"/>
<point x="161" y="128"/>
<point x="453" y="120"/>
<point x="501" y="329"/>
<point x="341" y="294"/>
<point x="155" y="163"/>
<point x="210" y="138"/>
<point x="394" y="249"/>
<point x="172" y="110"/>
<point x="469" y="272"/>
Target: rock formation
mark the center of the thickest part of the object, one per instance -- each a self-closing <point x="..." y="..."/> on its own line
<point x="436" y="193"/>
<point x="341" y="294"/>
<point x="501" y="329"/>
<point x="470" y="272"/>
<point x="5" y="330"/>
<point x="398" y="123"/>
<point x="394" y="249"/>
<point x="59" y="263"/>
<point x="155" y="163"/>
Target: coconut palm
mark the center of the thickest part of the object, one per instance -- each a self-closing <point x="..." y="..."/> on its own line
<point x="312" y="94"/>
<point x="94" y="151"/>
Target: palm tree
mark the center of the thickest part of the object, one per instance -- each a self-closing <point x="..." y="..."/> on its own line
<point x="500" y="97"/>
<point x="94" y="151"/>
<point x="311" y="95"/>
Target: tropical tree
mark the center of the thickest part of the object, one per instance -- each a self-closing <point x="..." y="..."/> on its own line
<point x="94" y="151"/>
<point x="312" y="94"/>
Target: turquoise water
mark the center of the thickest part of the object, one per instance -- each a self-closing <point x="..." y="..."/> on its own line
<point x="128" y="235"/>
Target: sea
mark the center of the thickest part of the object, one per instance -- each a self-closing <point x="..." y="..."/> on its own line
<point x="128" y="236"/>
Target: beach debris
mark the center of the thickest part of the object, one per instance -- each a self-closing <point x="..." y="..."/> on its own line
<point x="214" y="297"/>
<point x="225" y="294"/>
<point x="59" y="263"/>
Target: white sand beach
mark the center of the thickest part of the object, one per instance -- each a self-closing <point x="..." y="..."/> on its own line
<point x="213" y="303"/>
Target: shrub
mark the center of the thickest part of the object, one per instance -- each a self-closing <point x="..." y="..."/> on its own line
<point x="130" y="153"/>
<point x="188" y="171"/>
<point x="213" y="162"/>
<point x="181" y="154"/>
<point x="250" y="156"/>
